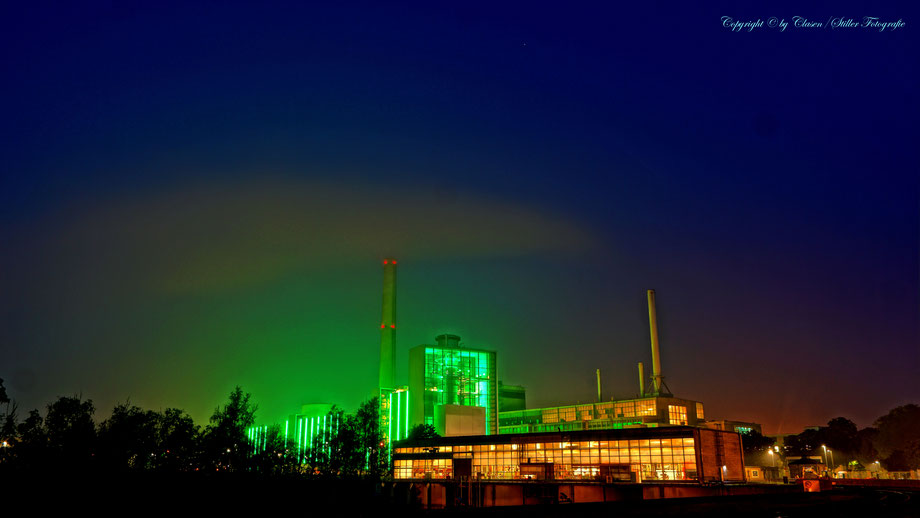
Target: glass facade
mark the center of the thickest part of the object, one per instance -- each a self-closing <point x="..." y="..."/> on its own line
<point x="455" y="376"/>
<point x="626" y="460"/>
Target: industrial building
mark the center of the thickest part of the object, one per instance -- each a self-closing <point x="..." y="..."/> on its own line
<point x="445" y="375"/>
<point x="673" y="454"/>
<point x="487" y="433"/>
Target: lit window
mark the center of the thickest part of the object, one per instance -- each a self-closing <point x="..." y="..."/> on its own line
<point x="677" y="414"/>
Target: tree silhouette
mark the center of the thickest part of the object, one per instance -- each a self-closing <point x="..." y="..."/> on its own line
<point x="128" y="439"/>
<point x="275" y="458"/>
<point x="422" y="431"/>
<point x="370" y="439"/>
<point x="71" y="431"/>
<point x="225" y="445"/>
<point x="31" y="449"/>
<point x="897" y="429"/>
<point x="177" y="441"/>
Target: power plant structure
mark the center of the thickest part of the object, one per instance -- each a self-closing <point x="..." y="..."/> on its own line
<point x="488" y="433"/>
<point x="449" y="379"/>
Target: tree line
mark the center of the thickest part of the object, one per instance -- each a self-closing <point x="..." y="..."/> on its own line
<point x="893" y="441"/>
<point x="134" y="439"/>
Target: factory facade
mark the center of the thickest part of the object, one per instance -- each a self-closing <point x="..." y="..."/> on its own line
<point x="637" y="455"/>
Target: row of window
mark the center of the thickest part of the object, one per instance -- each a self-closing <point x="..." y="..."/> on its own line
<point x="612" y="409"/>
<point x="650" y="459"/>
<point x="595" y="411"/>
<point x="678" y="442"/>
<point x="637" y="472"/>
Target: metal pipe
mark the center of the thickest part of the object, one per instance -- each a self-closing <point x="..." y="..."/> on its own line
<point x="388" y="326"/>
<point x="599" y="398"/>
<point x="641" y="379"/>
<point x="653" y="332"/>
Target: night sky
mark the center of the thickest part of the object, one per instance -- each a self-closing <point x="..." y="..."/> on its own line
<point x="199" y="196"/>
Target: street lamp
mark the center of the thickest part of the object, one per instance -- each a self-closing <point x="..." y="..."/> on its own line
<point x="772" y="457"/>
<point x="832" y="462"/>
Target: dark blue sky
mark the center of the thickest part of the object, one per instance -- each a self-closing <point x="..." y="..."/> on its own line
<point x="536" y="167"/>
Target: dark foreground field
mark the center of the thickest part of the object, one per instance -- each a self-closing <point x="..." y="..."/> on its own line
<point x="242" y="496"/>
<point x="837" y="503"/>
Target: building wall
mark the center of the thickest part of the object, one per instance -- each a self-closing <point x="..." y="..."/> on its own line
<point x="721" y="456"/>
<point x="511" y="397"/>
<point x="457" y="420"/>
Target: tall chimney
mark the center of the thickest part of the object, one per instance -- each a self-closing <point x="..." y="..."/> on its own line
<point x="600" y="399"/>
<point x="653" y="331"/>
<point x="388" y="327"/>
<point x="641" y="379"/>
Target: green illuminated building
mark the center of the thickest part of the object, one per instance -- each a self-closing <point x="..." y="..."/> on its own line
<point x="448" y="374"/>
<point x="396" y="408"/>
<point x="315" y="425"/>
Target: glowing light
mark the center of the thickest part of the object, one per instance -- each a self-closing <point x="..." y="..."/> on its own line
<point x="390" y="422"/>
<point x="392" y="326"/>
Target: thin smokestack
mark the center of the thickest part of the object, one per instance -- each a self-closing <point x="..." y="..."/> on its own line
<point x="600" y="399"/>
<point x="653" y="331"/>
<point x="641" y="379"/>
<point x="388" y="327"/>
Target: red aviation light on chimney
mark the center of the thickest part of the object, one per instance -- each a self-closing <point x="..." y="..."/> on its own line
<point x="392" y="326"/>
<point x="382" y="326"/>
<point x="394" y="261"/>
<point x="384" y="261"/>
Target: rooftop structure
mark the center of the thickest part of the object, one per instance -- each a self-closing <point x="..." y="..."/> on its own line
<point x="648" y="412"/>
